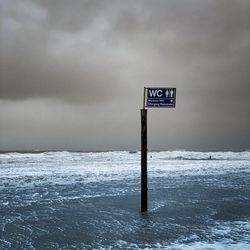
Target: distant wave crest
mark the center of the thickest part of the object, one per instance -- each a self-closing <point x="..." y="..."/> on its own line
<point x="163" y="155"/>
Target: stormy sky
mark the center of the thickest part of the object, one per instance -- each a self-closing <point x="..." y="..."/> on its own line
<point x="72" y="74"/>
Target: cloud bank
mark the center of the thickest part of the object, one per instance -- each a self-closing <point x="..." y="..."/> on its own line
<point x="72" y="73"/>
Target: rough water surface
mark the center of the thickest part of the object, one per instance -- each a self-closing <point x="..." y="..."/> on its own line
<point x="66" y="200"/>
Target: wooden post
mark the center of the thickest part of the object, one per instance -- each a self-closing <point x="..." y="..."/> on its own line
<point x="144" y="150"/>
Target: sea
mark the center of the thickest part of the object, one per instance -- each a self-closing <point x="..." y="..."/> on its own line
<point x="91" y="200"/>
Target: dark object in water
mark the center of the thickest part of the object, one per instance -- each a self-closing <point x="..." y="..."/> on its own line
<point x="132" y="152"/>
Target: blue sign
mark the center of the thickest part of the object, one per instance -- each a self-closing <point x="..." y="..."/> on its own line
<point x="161" y="97"/>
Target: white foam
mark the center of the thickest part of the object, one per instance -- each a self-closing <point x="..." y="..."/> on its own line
<point x="31" y="169"/>
<point x="209" y="246"/>
<point x="121" y="244"/>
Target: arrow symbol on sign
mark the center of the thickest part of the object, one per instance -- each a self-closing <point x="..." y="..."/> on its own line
<point x="167" y="93"/>
<point x="171" y="93"/>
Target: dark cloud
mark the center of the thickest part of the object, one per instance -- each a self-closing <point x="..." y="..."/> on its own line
<point x="40" y="60"/>
<point x="59" y="56"/>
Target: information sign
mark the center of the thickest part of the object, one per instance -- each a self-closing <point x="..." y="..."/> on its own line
<point x="160" y="97"/>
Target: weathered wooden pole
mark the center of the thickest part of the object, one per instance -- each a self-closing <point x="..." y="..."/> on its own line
<point x="144" y="151"/>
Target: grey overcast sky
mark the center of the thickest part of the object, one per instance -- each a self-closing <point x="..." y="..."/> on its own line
<point x="72" y="74"/>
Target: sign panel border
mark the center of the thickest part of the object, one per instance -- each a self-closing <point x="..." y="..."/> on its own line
<point x="158" y="105"/>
